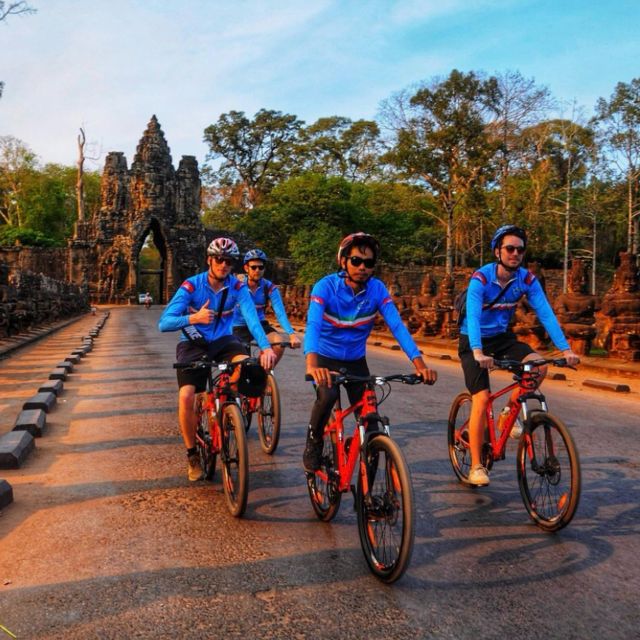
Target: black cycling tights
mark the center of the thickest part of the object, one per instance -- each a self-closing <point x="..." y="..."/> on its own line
<point x="326" y="396"/>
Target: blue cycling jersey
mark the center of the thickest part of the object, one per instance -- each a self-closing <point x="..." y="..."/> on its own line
<point x="339" y="321"/>
<point x="195" y="291"/>
<point x="483" y="323"/>
<point x="266" y="289"/>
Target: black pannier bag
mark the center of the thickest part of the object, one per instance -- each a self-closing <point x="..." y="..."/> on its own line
<point x="253" y="379"/>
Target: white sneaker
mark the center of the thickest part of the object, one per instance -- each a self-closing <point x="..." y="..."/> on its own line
<point x="479" y="476"/>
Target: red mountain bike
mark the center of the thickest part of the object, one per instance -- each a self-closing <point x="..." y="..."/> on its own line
<point x="221" y="431"/>
<point x="384" y="494"/>
<point x="267" y="408"/>
<point x="547" y="459"/>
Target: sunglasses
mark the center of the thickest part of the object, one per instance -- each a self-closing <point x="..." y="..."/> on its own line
<point x="356" y="261"/>
<point x="256" y="267"/>
<point x="227" y="261"/>
<point x="511" y="249"/>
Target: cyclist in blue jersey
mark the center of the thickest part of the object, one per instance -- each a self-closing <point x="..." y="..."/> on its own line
<point x="493" y="293"/>
<point x="202" y="308"/>
<point x="263" y="292"/>
<point x="340" y="318"/>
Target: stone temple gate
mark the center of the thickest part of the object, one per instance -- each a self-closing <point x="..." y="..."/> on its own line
<point x="150" y="197"/>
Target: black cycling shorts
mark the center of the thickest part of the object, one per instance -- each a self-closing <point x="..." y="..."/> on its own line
<point x="245" y="336"/>
<point x="224" y="348"/>
<point x="504" y="345"/>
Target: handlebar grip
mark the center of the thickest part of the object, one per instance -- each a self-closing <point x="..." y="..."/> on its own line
<point x="308" y="377"/>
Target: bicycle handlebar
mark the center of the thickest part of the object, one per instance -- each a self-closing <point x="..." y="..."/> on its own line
<point x="518" y="366"/>
<point x="342" y="378"/>
<point x="210" y="364"/>
<point x="273" y="344"/>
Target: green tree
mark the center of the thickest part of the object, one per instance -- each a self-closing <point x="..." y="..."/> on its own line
<point x="17" y="166"/>
<point x="337" y="146"/>
<point x="619" y="123"/>
<point x="254" y="152"/>
<point x="441" y="141"/>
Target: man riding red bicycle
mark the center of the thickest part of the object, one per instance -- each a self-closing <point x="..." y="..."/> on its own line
<point x="493" y="293"/>
<point x="202" y="308"/>
<point x="341" y="312"/>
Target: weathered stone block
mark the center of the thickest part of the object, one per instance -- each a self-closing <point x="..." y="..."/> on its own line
<point x="66" y="365"/>
<point x="52" y="386"/>
<point x="34" y="421"/>
<point x="43" y="400"/>
<point x="73" y="358"/>
<point x="58" y="374"/>
<point x="15" y="446"/>
<point x="6" y="493"/>
<point x="607" y="385"/>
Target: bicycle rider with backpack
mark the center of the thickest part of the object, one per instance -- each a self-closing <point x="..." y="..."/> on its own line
<point x="202" y="309"/>
<point x="493" y="293"/>
<point x="263" y="292"/>
<point x="340" y="318"/>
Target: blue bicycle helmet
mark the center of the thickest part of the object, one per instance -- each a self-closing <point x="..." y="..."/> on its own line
<point x="254" y="254"/>
<point x="508" y="230"/>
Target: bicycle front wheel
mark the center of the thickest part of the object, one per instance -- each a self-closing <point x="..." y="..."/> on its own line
<point x="235" y="460"/>
<point x="386" y="511"/>
<point x="548" y="472"/>
<point x="323" y="484"/>
<point x="458" y="436"/>
<point x="269" y="416"/>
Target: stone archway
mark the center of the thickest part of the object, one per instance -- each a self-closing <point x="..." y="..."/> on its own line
<point x="157" y="275"/>
<point x="151" y="196"/>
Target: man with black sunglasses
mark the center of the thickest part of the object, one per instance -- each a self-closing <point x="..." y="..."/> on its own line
<point x="493" y="293"/>
<point x="202" y="309"/>
<point x="263" y="292"/>
<point x="341" y="312"/>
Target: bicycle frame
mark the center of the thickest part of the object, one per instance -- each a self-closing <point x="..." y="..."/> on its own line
<point x="528" y="386"/>
<point x="346" y="461"/>
<point x="212" y="400"/>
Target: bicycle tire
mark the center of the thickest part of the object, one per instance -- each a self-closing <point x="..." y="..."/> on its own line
<point x="324" y="495"/>
<point x="204" y="445"/>
<point x="386" y="518"/>
<point x="550" y="487"/>
<point x="459" y="451"/>
<point x="245" y="404"/>
<point x="269" y="416"/>
<point x="234" y="459"/>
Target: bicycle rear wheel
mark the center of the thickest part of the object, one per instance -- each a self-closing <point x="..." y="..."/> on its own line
<point x="235" y="459"/>
<point x="269" y="416"/>
<point x="457" y="428"/>
<point x="548" y="472"/>
<point x="386" y="511"/>
<point x="204" y="444"/>
<point x="322" y="485"/>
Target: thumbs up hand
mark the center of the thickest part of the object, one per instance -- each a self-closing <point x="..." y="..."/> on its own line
<point x="204" y="315"/>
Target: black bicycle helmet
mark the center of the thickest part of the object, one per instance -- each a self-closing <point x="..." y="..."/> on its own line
<point x="358" y="238"/>
<point x="508" y="230"/>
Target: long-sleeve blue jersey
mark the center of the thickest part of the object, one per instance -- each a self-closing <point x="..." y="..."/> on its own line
<point x="339" y="320"/>
<point x="484" y="287"/>
<point x="266" y="289"/>
<point x="195" y="291"/>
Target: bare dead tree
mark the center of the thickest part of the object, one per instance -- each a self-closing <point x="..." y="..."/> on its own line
<point x="14" y="8"/>
<point x="82" y="140"/>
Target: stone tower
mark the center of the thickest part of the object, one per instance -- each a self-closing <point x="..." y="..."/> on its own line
<point x="150" y="197"/>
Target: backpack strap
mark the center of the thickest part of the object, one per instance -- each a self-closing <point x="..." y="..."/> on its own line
<point x="194" y="335"/>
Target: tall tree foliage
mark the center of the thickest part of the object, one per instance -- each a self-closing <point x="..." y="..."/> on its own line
<point x="619" y="122"/>
<point x="441" y="141"/>
<point x="254" y="152"/>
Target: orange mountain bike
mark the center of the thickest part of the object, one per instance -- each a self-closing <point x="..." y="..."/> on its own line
<point x="221" y="431"/>
<point x="547" y="460"/>
<point x="384" y="494"/>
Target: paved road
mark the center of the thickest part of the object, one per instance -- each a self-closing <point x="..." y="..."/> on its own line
<point x="106" y="539"/>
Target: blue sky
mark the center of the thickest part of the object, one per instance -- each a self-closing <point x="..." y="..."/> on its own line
<point x="108" y="65"/>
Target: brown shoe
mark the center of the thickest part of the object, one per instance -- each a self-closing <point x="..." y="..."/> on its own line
<point x="194" y="469"/>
